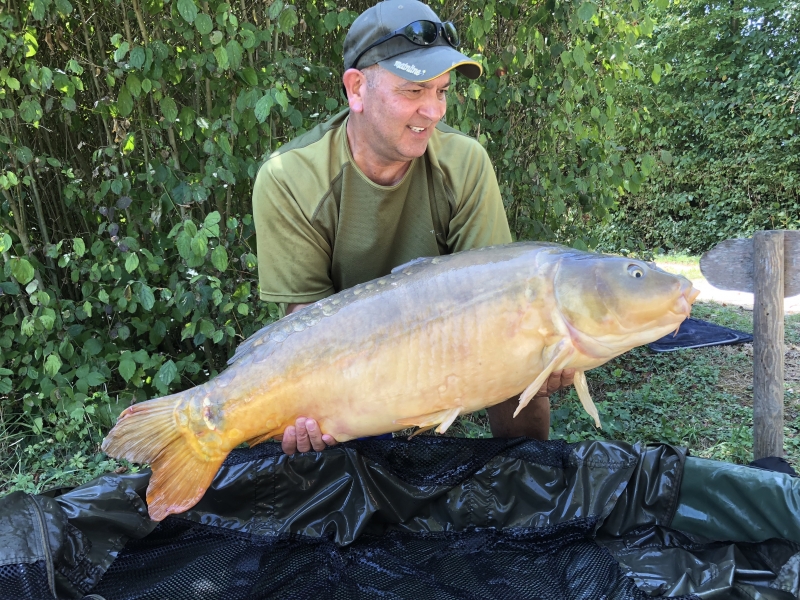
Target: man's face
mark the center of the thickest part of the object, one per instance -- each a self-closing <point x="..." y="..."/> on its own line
<point x="400" y="115"/>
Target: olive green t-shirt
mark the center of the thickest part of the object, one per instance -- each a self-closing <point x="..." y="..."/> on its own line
<point x="323" y="226"/>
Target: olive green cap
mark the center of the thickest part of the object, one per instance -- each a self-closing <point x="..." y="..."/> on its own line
<point x="399" y="55"/>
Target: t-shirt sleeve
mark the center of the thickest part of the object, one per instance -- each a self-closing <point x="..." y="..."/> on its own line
<point x="294" y="259"/>
<point x="479" y="218"/>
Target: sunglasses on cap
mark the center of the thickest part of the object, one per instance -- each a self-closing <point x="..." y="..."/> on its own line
<point x="421" y="33"/>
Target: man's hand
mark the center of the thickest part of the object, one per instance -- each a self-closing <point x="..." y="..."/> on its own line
<point x="556" y="381"/>
<point x="304" y="436"/>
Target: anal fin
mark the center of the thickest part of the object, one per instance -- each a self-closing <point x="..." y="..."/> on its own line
<point x="442" y="418"/>
<point x="582" y="387"/>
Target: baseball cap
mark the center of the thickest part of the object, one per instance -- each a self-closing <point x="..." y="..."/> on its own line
<point x="397" y="53"/>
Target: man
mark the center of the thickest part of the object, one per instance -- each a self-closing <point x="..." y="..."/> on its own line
<point x="382" y="183"/>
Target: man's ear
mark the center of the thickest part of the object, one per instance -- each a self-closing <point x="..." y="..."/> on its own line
<point x="355" y="82"/>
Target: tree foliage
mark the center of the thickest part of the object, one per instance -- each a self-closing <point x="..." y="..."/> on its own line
<point x="130" y="134"/>
<point x="724" y="124"/>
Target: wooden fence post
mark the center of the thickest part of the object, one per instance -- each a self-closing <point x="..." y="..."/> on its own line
<point x="768" y="370"/>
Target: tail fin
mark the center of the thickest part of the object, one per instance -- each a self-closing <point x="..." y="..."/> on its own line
<point x="149" y="433"/>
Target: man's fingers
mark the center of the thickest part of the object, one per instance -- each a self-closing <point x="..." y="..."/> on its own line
<point x="303" y="443"/>
<point x="289" y="441"/>
<point x="304" y="436"/>
<point x="557" y="380"/>
<point x="315" y="436"/>
<point x="567" y="377"/>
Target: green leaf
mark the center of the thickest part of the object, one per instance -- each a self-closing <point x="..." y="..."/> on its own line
<point x="595" y="113"/>
<point x="656" y="74"/>
<point x="474" y="91"/>
<point x="69" y="104"/>
<point x="39" y="9"/>
<point x="219" y="258"/>
<point x="146" y="297"/>
<point x="331" y="21"/>
<point x="216" y="37"/>
<point x="249" y="75"/>
<point x="275" y="9"/>
<point x="199" y="245"/>
<point x="127" y="367"/>
<point x="586" y="11"/>
<point x="225" y="144"/>
<point x="30" y="111"/>
<point x="167" y="373"/>
<point x="23" y="154"/>
<point x="78" y="246"/>
<point x="138" y="57"/>
<point x="93" y="347"/>
<point x="52" y="365"/>
<point x="235" y="53"/>
<point x="666" y="157"/>
<point x="124" y="102"/>
<point x="579" y="56"/>
<point x="22" y="270"/>
<point x="212" y="218"/>
<point x="242" y="308"/>
<point x="119" y="53"/>
<point x="203" y="24"/>
<point x="288" y="20"/>
<point x="221" y="54"/>
<point x="5" y="242"/>
<point x="95" y="378"/>
<point x="64" y="7"/>
<point x="12" y="83"/>
<point x="134" y="85"/>
<point x="169" y="109"/>
<point x="263" y="107"/>
<point x="188" y="10"/>
<point x="132" y="262"/>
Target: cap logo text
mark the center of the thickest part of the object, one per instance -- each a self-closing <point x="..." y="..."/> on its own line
<point x="407" y="68"/>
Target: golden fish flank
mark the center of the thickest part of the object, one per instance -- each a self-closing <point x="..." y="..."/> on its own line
<point x="436" y="338"/>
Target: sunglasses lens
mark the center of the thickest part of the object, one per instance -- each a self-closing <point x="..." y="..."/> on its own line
<point x="422" y="33"/>
<point x="451" y="34"/>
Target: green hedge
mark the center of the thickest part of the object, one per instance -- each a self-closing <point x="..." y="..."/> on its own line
<point x="130" y="134"/>
<point x="724" y="123"/>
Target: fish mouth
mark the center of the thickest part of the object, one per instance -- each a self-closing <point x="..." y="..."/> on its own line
<point x="684" y="303"/>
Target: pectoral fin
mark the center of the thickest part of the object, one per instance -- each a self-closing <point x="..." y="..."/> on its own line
<point x="582" y="387"/>
<point x="443" y="418"/>
<point x="560" y="353"/>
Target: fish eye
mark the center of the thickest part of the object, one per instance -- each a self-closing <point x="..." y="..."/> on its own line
<point x="635" y="271"/>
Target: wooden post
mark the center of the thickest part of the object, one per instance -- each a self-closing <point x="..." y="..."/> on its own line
<point x="768" y="373"/>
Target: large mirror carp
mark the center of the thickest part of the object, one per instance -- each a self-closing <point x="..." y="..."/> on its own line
<point x="437" y="338"/>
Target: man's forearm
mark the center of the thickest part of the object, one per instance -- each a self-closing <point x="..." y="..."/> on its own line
<point x="295" y="307"/>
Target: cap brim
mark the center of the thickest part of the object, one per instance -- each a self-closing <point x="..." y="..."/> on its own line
<point x="429" y="63"/>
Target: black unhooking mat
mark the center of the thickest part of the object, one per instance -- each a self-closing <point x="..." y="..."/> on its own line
<point x="695" y="333"/>
<point x="422" y="518"/>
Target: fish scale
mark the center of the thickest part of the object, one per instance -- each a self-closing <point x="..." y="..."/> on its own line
<point x="435" y="338"/>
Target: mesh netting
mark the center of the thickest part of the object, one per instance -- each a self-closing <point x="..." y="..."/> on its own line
<point x="429" y="460"/>
<point x="183" y="560"/>
<point x="24" y="581"/>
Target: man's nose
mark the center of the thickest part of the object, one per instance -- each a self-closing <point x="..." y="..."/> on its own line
<point x="432" y="107"/>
